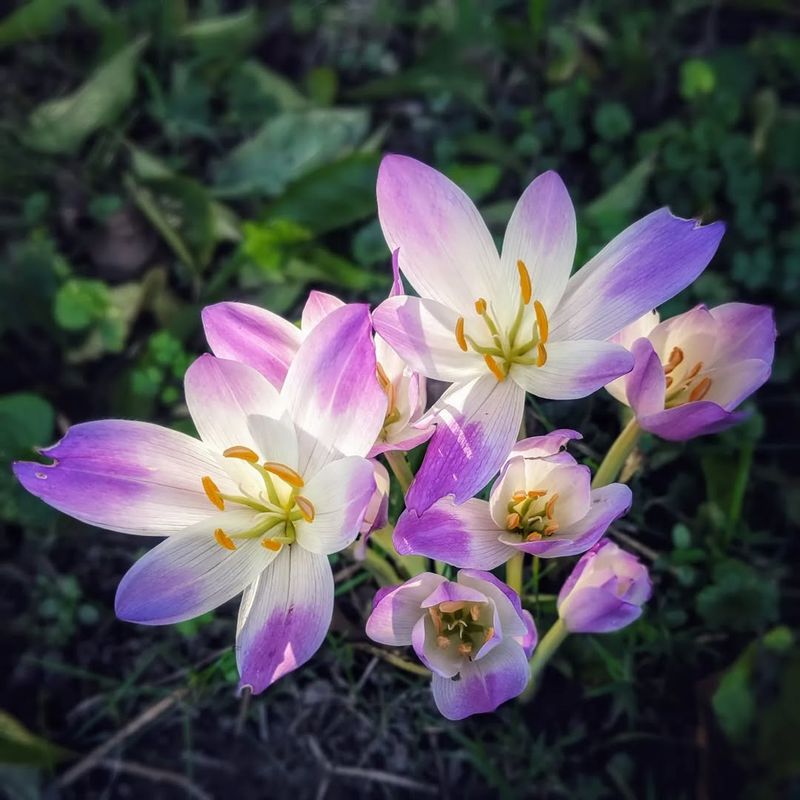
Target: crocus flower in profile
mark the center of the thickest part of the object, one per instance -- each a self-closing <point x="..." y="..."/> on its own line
<point x="497" y="326"/>
<point x="473" y="635"/>
<point x="605" y="591"/>
<point x="542" y="503"/>
<point x="693" y="370"/>
<point x="277" y="481"/>
<point x="268" y="343"/>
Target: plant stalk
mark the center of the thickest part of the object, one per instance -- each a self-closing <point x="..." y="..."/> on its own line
<point x="617" y="455"/>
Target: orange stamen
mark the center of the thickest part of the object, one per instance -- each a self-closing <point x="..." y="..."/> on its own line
<point x="701" y="390"/>
<point x="675" y="358"/>
<point x="524" y="282"/>
<point x="223" y="540"/>
<point x="474" y="612"/>
<point x="535" y="494"/>
<point x="541" y="355"/>
<point x="512" y="521"/>
<point x="489" y="633"/>
<point x="465" y="648"/>
<point x="451" y="606"/>
<point x="271" y="544"/>
<point x="306" y="508"/>
<point x="462" y="342"/>
<point x="383" y="378"/>
<point x="285" y="474"/>
<point x="480" y="306"/>
<point x="442" y="642"/>
<point x="695" y="369"/>
<point x="669" y="381"/>
<point x="541" y="321"/>
<point x="245" y="453"/>
<point x="533" y="537"/>
<point x="494" y="367"/>
<point x="518" y="497"/>
<point x="212" y="493"/>
<point x="550" y="529"/>
<point x="551" y="504"/>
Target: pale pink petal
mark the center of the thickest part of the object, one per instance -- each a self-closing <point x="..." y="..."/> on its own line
<point x="317" y="307"/>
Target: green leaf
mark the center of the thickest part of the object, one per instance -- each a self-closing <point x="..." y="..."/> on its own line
<point x="733" y="702"/>
<point x="38" y="18"/>
<point x="61" y="125"/>
<point x="322" y="84"/>
<point x="697" y="78"/>
<point x="26" y="421"/>
<point x="477" y="180"/>
<point x="19" y="746"/>
<point x="228" y="35"/>
<point x="287" y="147"/>
<point x="80" y="302"/>
<point x="253" y="86"/>
<point x="616" y="204"/>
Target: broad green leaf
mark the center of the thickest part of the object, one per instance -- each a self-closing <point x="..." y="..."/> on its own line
<point x="615" y="205"/>
<point x="62" y="125"/>
<point x="697" y="78"/>
<point x="19" y="746"/>
<point x="26" y="421"/>
<point x="477" y="180"/>
<point x="227" y="35"/>
<point x="80" y="302"/>
<point x="287" y="147"/>
<point x="37" y="18"/>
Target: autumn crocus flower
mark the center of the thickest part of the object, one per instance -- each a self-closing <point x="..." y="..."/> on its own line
<point x="692" y="371"/>
<point x="472" y="633"/>
<point x="276" y="482"/>
<point x="268" y="343"/>
<point x="605" y="591"/>
<point x="542" y="503"/>
<point x="497" y="326"/>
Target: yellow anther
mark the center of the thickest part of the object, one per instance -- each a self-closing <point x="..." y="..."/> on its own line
<point x="512" y="521"/>
<point x="285" y="474"/>
<point x="524" y="282"/>
<point x="669" y="381"/>
<point x="541" y="321"/>
<point x="675" y="358"/>
<point x="541" y="355"/>
<point x="223" y="540"/>
<point x="474" y="612"/>
<point x="519" y="496"/>
<point x="462" y="342"/>
<point x="550" y="529"/>
<point x="436" y="617"/>
<point x="451" y="606"/>
<point x="442" y="642"/>
<point x="212" y="493"/>
<point x="533" y="537"/>
<point x="694" y="370"/>
<point x="489" y="633"/>
<point x="551" y="504"/>
<point x="494" y="367"/>
<point x="480" y="306"/>
<point x="701" y="390"/>
<point x="535" y="494"/>
<point x="306" y="508"/>
<point x="465" y="648"/>
<point x="271" y="544"/>
<point x="245" y="453"/>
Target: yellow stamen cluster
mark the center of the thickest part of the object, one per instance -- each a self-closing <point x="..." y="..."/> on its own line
<point x="681" y="390"/>
<point x="530" y="515"/>
<point x="458" y="625"/>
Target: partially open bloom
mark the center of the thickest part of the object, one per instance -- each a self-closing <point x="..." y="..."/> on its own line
<point x="605" y="591"/>
<point x="277" y="481"/>
<point x="496" y="326"/>
<point x="693" y="370"/>
<point x="542" y="503"/>
<point x="473" y="635"/>
<point x="268" y="343"/>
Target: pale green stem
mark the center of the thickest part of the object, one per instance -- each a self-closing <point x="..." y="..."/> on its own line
<point x="544" y="651"/>
<point x="381" y="569"/>
<point x="514" y="572"/>
<point x="399" y="465"/>
<point x="617" y="455"/>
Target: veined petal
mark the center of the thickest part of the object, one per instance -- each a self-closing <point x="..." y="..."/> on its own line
<point x="543" y="446"/>
<point x="744" y="331"/>
<point x="484" y="683"/>
<point x="648" y="263"/>
<point x="284" y="618"/>
<point x="691" y="419"/>
<point x="542" y="234"/>
<point x="446" y="250"/>
<point x="476" y="425"/>
<point x="253" y="336"/>
<point x="275" y="439"/>
<point x="332" y="390"/>
<point x="462" y="535"/>
<point x="646" y="382"/>
<point x="423" y="333"/>
<point x="132" y="477"/>
<point x="574" y="369"/>
<point x="317" y="307"/>
<point x="638" y="329"/>
<point x="398" y="608"/>
<point x="190" y="573"/>
<point x="441" y="662"/>
<point x="733" y="383"/>
<point x="340" y="493"/>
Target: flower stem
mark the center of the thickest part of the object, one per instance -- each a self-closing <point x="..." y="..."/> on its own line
<point x="544" y="651"/>
<point x="514" y="572"/>
<point x="617" y="454"/>
<point x="398" y="463"/>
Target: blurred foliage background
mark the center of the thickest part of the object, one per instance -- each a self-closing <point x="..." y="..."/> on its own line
<point x="160" y="155"/>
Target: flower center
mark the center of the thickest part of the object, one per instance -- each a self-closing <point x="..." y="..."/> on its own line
<point x="683" y="385"/>
<point x="279" y="508"/>
<point x="392" y="413"/>
<point x="514" y="345"/>
<point x="531" y="514"/>
<point x="461" y="626"/>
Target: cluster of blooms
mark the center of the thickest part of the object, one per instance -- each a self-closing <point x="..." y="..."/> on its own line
<point x="291" y="422"/>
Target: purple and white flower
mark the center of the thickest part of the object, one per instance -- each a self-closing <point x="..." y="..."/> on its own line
<point x="497" y="326"/>
<point x="277" y="481"/>
<point x="542" y="503"/>
<point x="692" y="371"/>
<point x="605" y="591"/>
<point x="473" y="634"/>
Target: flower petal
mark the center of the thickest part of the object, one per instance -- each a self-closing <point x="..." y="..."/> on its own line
<point x="484" y="683"/>
<point x="542" y="234"/>
<point x="506" y="600"/>
<point x="574" y="369"/>
<point x="131" y="477"/>
<point x="648" y="263"/>
<point x="332" y="391"/>
<point x="731" y="384"/>
<point x="598" y="610"/>
<point x="275" y="439"/>
<point x="542" y="446"/>
<point x="462" y="535"/>
<point x="340" y="493"/>
<point x="476" y="425"/>
<point x="444" y="662"/>
<point x="398" y="608"/>
<point x="744" y="331"/>
<point x="253" y="336"/>
<point x="645" y="384"/>
<point x="284" y="618"/>
<point x="317" y="307"/>
<point x="638" y="329"/>
<point x="446" y="250"/>
<point x="189" y="574"/>
<point x="691" y="419"/>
